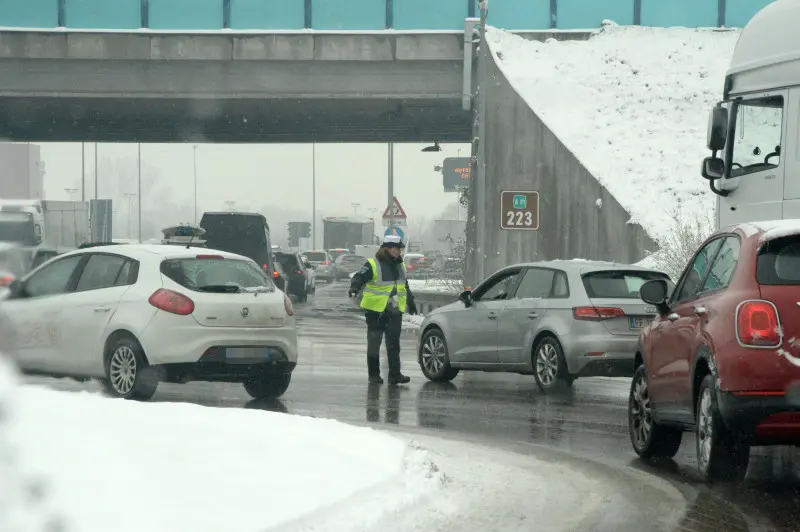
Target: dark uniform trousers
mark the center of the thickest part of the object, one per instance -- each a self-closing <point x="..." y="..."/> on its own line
<point x="389" y="323"/>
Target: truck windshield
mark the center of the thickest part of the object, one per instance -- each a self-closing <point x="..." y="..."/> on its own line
<point x="17" y="227"/>
<point x="756" y="135"/>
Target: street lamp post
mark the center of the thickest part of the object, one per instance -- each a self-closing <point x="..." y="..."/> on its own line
<point x="139" y="168"/>
<point x="83" y="171"/>
<point x="355" y="207"/>
<point x="130" y="196"/>
<point x="95" y="172"/>
<point x="194" y="158"/>
<point x="390" y="200"/>
<point x="313" y="196"/>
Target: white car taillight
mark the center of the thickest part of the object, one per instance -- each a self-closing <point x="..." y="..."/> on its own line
<point x="172" y="302"/>
<point x="758" y="324"/>
<point x="287" y="304"/>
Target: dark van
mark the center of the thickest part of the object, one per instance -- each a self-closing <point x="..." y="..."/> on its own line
<point x="243" y="233"/>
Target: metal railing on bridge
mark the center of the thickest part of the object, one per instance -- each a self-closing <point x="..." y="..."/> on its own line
<point x="366" y="15"/>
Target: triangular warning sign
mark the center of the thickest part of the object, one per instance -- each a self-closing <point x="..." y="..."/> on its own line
<point x="396" y="212"/>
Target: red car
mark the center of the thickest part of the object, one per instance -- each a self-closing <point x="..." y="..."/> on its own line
<point x="722" y="358"/>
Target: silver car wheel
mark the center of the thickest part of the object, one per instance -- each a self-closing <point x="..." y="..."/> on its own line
<point x="705" y="429"/>
<point x="547" y="364"/>
<point x="433" y="355"/>
<point x="122" y="370"/>
<point x="641" y="412"/>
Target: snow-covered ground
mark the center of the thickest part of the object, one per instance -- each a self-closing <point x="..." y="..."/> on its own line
<point x="83" y="461"/>
<point x="108" y="464"/>
<point x="632" y="104"/>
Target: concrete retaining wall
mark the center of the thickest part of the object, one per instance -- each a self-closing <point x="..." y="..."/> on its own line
<point x="523" y="154"/>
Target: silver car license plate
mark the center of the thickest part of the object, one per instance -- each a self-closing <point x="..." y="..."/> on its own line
<point x="639" y="323"/>
<point x="248" y="353"/>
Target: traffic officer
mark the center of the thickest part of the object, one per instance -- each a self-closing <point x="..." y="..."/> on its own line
<point x="386" y="297"/>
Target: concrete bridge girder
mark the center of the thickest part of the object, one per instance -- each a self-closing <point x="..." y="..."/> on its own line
<point x="232" y="88"/>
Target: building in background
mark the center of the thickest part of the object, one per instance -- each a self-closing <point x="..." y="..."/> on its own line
<point x="21" y="171"/>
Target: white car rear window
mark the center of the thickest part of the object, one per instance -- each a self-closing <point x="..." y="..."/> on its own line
<point x="216" y="275"/>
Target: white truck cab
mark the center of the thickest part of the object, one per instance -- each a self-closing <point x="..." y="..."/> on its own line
<point x="754" y="133"/>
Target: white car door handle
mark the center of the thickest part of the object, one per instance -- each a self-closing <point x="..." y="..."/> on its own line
<point x="102" y="309"/>
<point x="532" y="315"/>
<point x="700" y="310"/>
<point x="492" y="315"/>
<point x="673" y="317"/>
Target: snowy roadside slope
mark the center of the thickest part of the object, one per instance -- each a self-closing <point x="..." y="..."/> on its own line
<point x="632" y="104"/>
<point x="170" y="466"/>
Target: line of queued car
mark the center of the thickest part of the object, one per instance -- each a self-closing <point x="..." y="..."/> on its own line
<point x="717" y="353"/>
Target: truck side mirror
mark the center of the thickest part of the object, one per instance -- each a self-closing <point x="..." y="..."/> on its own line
<point x="713" y="168"/>
<point x="717" y="128"/>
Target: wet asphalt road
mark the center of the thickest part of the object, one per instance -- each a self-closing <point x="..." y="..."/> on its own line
<point x="587" y="423"/>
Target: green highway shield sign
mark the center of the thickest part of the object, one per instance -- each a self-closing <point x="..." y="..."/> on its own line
<point x="520" y="201"/>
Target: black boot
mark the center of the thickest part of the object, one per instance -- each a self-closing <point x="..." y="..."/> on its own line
<point x="374" y="370"/>
<point x="395" y="377"/>
<point x="399" y="379"/>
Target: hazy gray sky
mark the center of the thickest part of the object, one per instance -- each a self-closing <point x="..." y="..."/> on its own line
<point x="276" y="174"/>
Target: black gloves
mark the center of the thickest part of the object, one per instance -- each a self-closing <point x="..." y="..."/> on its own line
<point x="412" y="309"/>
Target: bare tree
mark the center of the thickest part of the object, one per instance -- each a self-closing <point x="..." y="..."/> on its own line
<point x="679" y="244"/>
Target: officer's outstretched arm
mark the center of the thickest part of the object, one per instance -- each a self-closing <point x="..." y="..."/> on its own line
<point x="361" y="278"/>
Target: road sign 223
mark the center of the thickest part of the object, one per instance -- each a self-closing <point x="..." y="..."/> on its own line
<point x="519" y="210"/>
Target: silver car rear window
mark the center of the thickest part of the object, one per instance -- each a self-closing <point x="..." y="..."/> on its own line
<point x="617" y="284"/>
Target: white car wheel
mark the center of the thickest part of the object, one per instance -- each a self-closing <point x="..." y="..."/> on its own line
<point x="128" y="375"/>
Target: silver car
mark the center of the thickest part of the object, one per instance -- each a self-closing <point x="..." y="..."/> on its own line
<point x="557" y="320"/>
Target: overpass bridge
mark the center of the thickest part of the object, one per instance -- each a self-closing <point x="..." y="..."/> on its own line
<point x="277" y="71"/>
<point x="224" y="87"/>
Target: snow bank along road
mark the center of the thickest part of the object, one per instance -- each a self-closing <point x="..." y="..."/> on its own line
<point x="632" y="104"/>
<point x="189" y="467"/>
<point x="497" y="421"/>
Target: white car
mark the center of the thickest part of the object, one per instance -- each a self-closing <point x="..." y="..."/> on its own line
<point x="135" y="315"/>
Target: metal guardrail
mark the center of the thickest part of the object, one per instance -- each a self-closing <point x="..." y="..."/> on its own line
<point x="428" y="301"/>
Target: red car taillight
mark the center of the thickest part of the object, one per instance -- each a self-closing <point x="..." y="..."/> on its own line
<point x="597" y="313"/>
<point x="172" y="302"/>
<point x="6" y="280"/>
<point x="275" y="274"/>
<point x="326" y="263"/>
<point x="757" y="324"/>
<point x="287" y="304"/>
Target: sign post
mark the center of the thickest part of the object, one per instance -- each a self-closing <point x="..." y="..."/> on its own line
<point x="395" y="215"/>
<point x="519" y="210"/>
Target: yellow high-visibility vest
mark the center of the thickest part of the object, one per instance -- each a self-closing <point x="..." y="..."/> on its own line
<point x="377" y="291"/>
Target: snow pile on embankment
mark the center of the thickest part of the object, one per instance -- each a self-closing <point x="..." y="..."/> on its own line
<point x="95" y="464"/>
<point x="632" y="104"/>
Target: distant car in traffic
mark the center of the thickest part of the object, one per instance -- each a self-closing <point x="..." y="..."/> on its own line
<point x="335" y="253"/>
<point x="416" y="266"/>
<point x="135" y="315"/>
<point x="322" y="263"/>
<point x="557" y="320"/>
<point x="447" y="268"/>
<point x="347" y="264"/>
<point x="722" y="358"/>
<point x="298" y="280"/>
